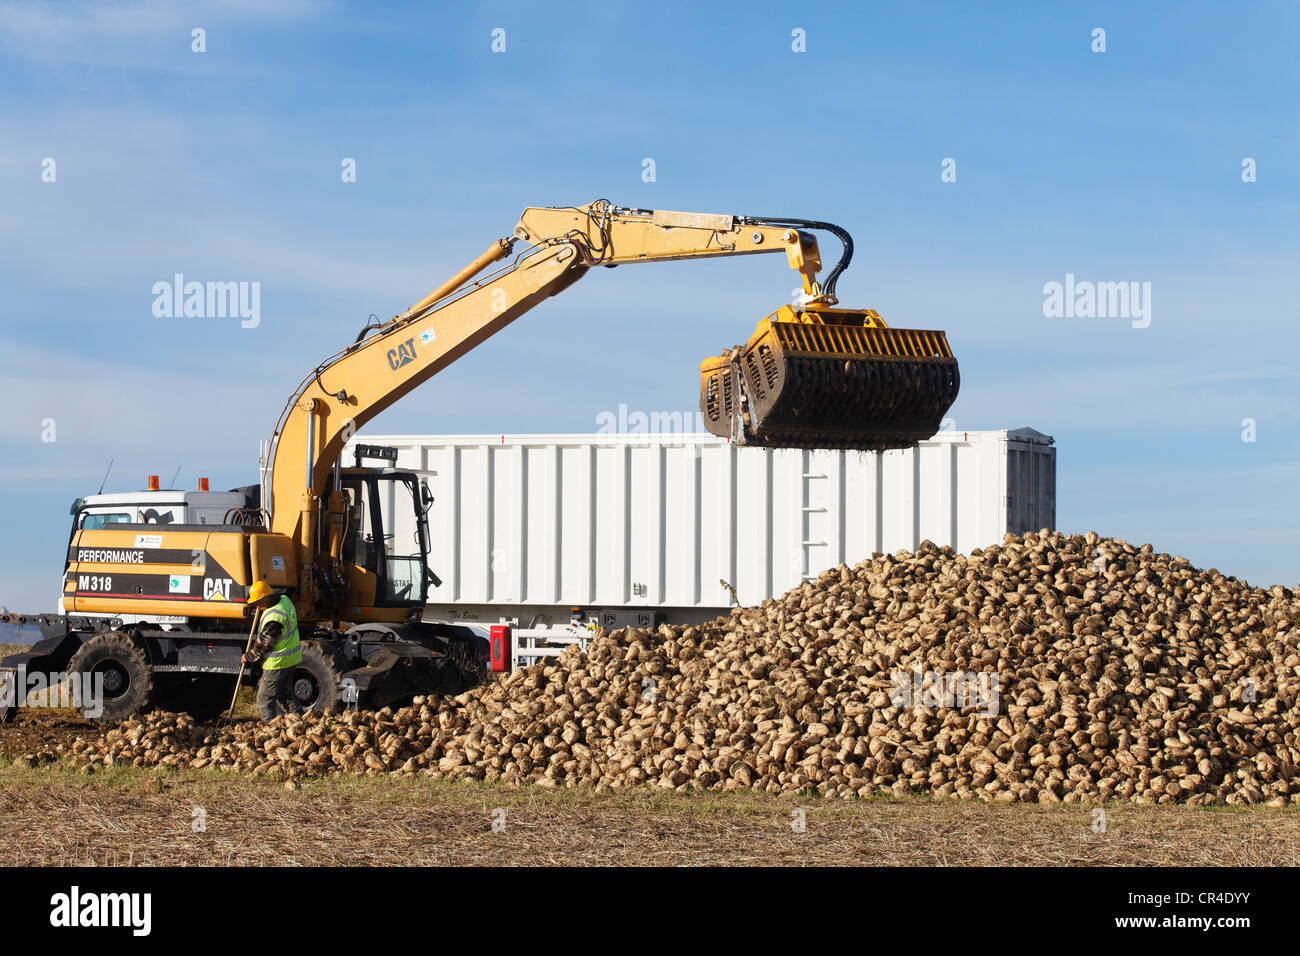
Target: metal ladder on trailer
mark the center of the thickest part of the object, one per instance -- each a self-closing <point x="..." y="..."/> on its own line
<point x="807" y="510"/>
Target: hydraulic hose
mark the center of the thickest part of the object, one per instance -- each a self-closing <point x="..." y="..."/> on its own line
<point x="839" y="232"/>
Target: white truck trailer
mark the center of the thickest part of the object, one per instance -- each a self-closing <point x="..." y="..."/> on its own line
<point x="540" y="539"/>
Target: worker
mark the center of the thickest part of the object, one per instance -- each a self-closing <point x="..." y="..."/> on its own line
<point x="278" y="648"/>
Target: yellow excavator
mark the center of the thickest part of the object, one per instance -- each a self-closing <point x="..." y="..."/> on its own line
<point x="159" y="610"/>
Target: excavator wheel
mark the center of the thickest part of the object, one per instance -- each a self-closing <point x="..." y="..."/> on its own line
<point x="316" y="681"/>
<point x="128" y="678"/>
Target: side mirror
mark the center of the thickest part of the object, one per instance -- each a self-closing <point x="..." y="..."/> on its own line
<point x="426" y="496"/>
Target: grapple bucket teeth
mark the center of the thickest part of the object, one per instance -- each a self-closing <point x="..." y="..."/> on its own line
<point x="830" y="380"/>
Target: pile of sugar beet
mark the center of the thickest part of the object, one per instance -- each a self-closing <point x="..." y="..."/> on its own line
<point x="1051" y="668"/>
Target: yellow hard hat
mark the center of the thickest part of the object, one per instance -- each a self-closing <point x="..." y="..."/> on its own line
<point x="259" y="590"/>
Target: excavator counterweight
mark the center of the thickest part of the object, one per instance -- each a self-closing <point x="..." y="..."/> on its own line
<point x="830" y="378"/>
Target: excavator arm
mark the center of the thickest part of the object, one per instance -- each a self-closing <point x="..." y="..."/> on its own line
<point x="387" y="361"/>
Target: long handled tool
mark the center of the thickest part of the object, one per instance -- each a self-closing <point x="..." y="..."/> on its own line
<point x="239" y="681"/>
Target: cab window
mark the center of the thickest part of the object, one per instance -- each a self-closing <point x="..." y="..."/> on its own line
<point x="99" y="522"/>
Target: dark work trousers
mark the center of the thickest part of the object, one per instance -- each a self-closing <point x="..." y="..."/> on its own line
<point x="275" y="694"/>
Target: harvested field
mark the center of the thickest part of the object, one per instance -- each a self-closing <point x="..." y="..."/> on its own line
<point x="36" y="730"/>
<point x="54" y="816"/>
<point x="1119" y="674"/>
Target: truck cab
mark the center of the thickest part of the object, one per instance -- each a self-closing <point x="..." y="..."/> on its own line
<point x="160" y="507"/>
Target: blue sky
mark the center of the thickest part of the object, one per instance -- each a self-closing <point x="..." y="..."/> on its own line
<point x="225" y="165"/>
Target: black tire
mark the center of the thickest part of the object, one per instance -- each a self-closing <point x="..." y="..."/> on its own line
<point x="316" y="680"/>
<point x="205" y="698"/>
<point x="128" y="678"/>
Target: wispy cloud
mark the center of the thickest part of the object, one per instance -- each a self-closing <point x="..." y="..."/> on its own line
<point x="138" y="35"/>
<point x="129" y="405"/>
<point x="1136" y="397"/>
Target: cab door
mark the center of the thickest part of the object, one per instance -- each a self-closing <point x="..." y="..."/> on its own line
<point x="384" y="541"/>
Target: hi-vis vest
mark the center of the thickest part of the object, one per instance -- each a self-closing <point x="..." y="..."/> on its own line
<point x="287" y="652"/>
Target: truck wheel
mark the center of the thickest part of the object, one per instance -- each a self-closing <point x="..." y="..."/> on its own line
<point x="128" y="678"/>
<point x="316" y="681"/>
